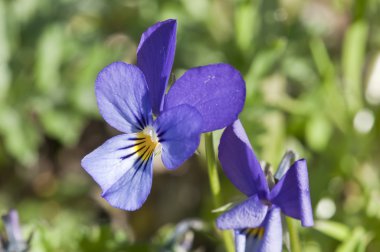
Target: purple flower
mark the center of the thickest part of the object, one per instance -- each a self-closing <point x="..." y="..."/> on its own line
<point x="14" y="240"/>
<point x="257" y="220"/>
<point x="203" y="99"/>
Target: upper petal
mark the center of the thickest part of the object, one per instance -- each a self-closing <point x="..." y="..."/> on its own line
<point x="178" y="130"/>
<point x="216" y="91"/>
<point x="122" y="167"/>
<point x="155" y="56"/>
<point x="122" y="96"/>
<point x="292" y="193"/>
<point x="268" y="237"/>
<point x="247" y="214"/>
<point x="239" y="162"/>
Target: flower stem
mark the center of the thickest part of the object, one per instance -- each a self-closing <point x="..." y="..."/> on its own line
<point x="215" y="185"/>
<point x="295" y="245"/>
<point x="212" y="169"/>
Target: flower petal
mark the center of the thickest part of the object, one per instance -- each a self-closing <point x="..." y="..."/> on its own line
<point x="12" y="227"/>
<point x="122" y="96"/>
<point x="268" y="237"/>
<point x="240" y="240"/>
<point x="248" y="214"/>
<point x="292" y="193"/>
<point x="132" y="189"/>
<point x="178" y="130"/>
<point x="122" y="167"/>
<point x="155" y="56"/>
<point x="216" y="91"/>
<point x="239" y="162"/>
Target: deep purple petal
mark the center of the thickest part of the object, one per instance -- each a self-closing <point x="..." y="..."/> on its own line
<point x="122" y="167"/>
<point x="155" y="56"/>
<point x="248" y="214"/>
<point x="239" y="162"/>
<point x="268" y="238"/>
<point x="178" y="130"/>
<point x="292" y="194"/>
<point x="122" y="96"/>
<point x="216" y="91"/>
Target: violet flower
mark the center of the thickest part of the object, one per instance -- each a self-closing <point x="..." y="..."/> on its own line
<point x="203" y="99"/>
<point x="257" y="221"/>
<point x="13" y="242"/>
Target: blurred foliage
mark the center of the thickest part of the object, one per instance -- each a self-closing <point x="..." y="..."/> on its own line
<point x="312" y="73"/>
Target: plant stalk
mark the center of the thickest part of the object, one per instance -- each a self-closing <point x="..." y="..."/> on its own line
<point x="215" y="186"/>
<point x="295" y="245"/>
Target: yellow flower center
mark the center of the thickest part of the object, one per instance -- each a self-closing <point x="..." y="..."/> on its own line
<point x="255" y="232"/>
<point x="146" y="144"/>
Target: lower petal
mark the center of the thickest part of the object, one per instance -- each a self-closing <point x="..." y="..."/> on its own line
<point x="268" y="237"/>
<point x="132" y="189"/>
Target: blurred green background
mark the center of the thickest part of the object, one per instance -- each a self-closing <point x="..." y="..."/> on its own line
<point x="312" y="70"/>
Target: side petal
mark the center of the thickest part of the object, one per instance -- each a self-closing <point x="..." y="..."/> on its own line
<point x="216" y="91"/>
<point x="122" y="96"/>
<point x="248" y="214"/>
<point x="268" y="237"/>
<point x="122" y="167"/>
<point x="155" y="56"/>
<point x="239" y="162"/>
<point x="178" y="130"/>
<point x="292" y="194"/>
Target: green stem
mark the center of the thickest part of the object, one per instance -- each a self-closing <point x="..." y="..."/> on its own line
<point x="295" y="245"/>
<point x="215" y="186"/>
<point x="212" y="169"/>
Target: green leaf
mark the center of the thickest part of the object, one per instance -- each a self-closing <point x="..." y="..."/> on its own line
<point x="247" y="23"/>
<point x="333" y="229"/>
<point x="357" y="241"/>
<point x="21" y="137"/>
<point x="49" y="56"/>
<point x="63" y="125"/>
<point x="5" y="74"/>
<point x="263" y="63"/>
<point x="223" y="208"/>
<point x="318" y="132"/>
<point x="354" y="47"/>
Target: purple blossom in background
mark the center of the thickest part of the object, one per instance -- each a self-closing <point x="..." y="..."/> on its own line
<point x="13" y="242"/>
<point x="204" y="99"/>
<point x="257" y="221"/>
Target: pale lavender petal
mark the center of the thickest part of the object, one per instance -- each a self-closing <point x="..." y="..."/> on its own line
<point x="240" y="240"/>
<point x="122" y="96"/>
<point x="239" y="162"/>
<point x="122" y="167"/>
<point x="292" y="193"/>
<point x="155" y="56"/>
<point x="216" y="91"/>
<point x="247" y="214"/>
<point x="267" y="238"/>
<point x="12" y="226"/>
<point x="178" y="130"/>
<point x="132" y="189"/>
